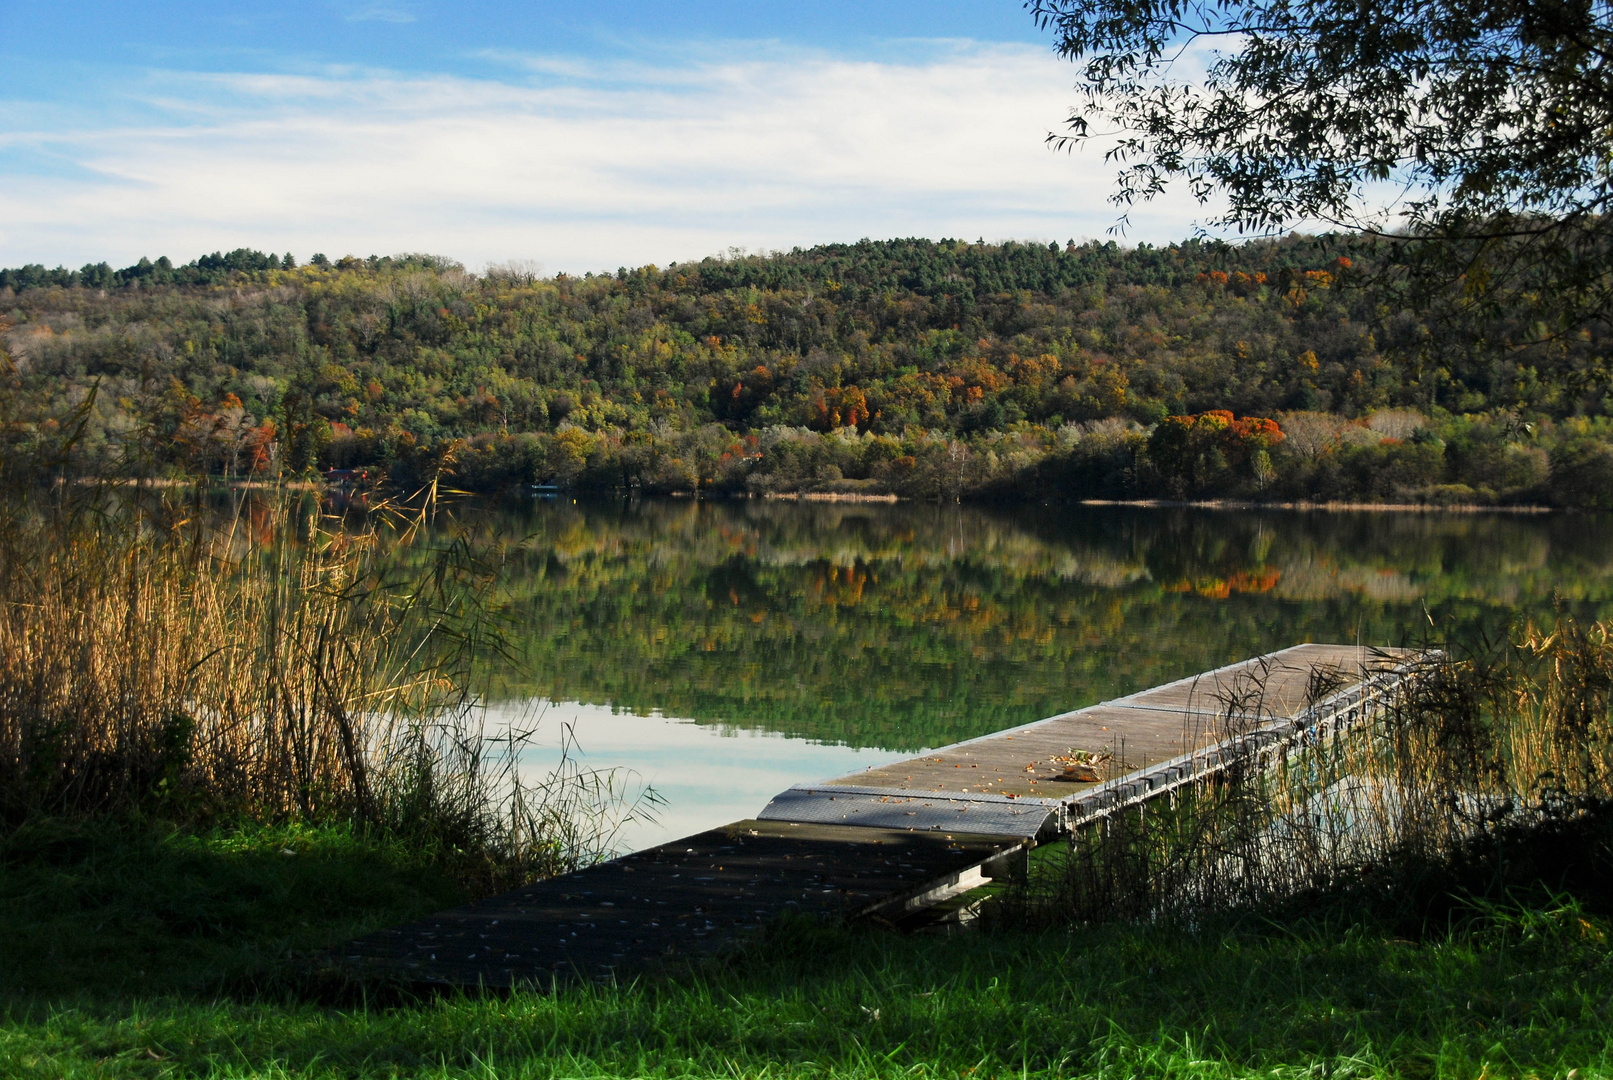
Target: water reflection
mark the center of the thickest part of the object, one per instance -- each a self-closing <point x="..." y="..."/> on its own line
<point x="705" y="775"/>
<point x="904" y="626"/>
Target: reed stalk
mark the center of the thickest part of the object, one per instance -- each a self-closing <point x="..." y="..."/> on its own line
<point x="270" y="664"/>
<point x="1482" y="747"/>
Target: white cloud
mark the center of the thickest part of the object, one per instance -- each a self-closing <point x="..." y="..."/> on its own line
<point x="610" y="166"/>
<point x="380" y="12"/>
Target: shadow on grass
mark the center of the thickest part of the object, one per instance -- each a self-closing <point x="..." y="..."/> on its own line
<point x="118" y="911"/>
<point x="134" y="950"/>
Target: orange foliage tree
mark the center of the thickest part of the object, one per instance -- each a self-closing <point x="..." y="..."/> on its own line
<point x="1195" y="452"/>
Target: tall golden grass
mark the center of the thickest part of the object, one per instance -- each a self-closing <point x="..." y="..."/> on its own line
<point x="263" y="662"/>
<point x="1478" y="747"/>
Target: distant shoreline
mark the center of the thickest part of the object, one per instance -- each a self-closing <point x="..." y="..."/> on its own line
<point x="1152" y="504"/>
<point x="1242" y="504"/>
<point x="832" y="496"/>
<point x="870" y="497"/>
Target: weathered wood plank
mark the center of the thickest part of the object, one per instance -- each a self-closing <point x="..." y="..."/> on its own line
<point x="1134" y="731"/>
<point x="687" y="898"/>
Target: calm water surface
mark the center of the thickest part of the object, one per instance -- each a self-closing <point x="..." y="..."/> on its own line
<point x="723" y="650"/>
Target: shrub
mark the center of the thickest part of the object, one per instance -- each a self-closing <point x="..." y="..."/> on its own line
<point x="1582" y="474"/>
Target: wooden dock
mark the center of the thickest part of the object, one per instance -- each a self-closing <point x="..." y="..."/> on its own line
<point x="890" y="841"/>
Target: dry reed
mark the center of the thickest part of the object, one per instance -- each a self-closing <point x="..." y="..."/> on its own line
<point x="1476" y="747"/>
<point x="273" y="665"/>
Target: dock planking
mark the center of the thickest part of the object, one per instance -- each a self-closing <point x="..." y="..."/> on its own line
<point x="886" y="842"/>
<point x="1010" y="781"/>
<point x="689" y="898"/>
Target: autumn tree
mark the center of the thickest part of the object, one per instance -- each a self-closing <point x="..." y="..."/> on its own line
<point x="1470" y="138"/>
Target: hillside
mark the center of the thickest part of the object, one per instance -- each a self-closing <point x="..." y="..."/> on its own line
<point x="909" y="366"/>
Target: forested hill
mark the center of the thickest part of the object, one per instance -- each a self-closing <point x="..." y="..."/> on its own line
<point x="924" y="368"/>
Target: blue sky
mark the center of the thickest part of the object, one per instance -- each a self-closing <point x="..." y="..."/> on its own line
<point x="572" y="136"/>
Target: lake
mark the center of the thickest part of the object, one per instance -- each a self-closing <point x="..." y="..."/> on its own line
<point x="721" y="650"/>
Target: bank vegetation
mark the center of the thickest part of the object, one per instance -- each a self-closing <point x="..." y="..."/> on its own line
<point x="1278" y="370"/>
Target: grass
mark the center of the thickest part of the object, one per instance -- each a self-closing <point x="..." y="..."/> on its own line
<point x="219" y="759"/>
<point x="120" y="909"/>
<point x="132" y="949"/>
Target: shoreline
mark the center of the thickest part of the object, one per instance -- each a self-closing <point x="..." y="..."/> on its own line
<point x="1163" y="504"/>
<point x="1244" y="504"/>
<point x="890" y="498"/>
<point x="832" y="496"/>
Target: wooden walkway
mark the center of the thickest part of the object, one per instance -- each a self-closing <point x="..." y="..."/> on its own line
<point x="890" y="841"/>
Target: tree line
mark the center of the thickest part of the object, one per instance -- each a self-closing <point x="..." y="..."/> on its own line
<point x="1277" y="369"/>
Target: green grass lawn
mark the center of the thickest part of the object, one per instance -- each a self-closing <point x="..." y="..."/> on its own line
<point x="137" y="951"/>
